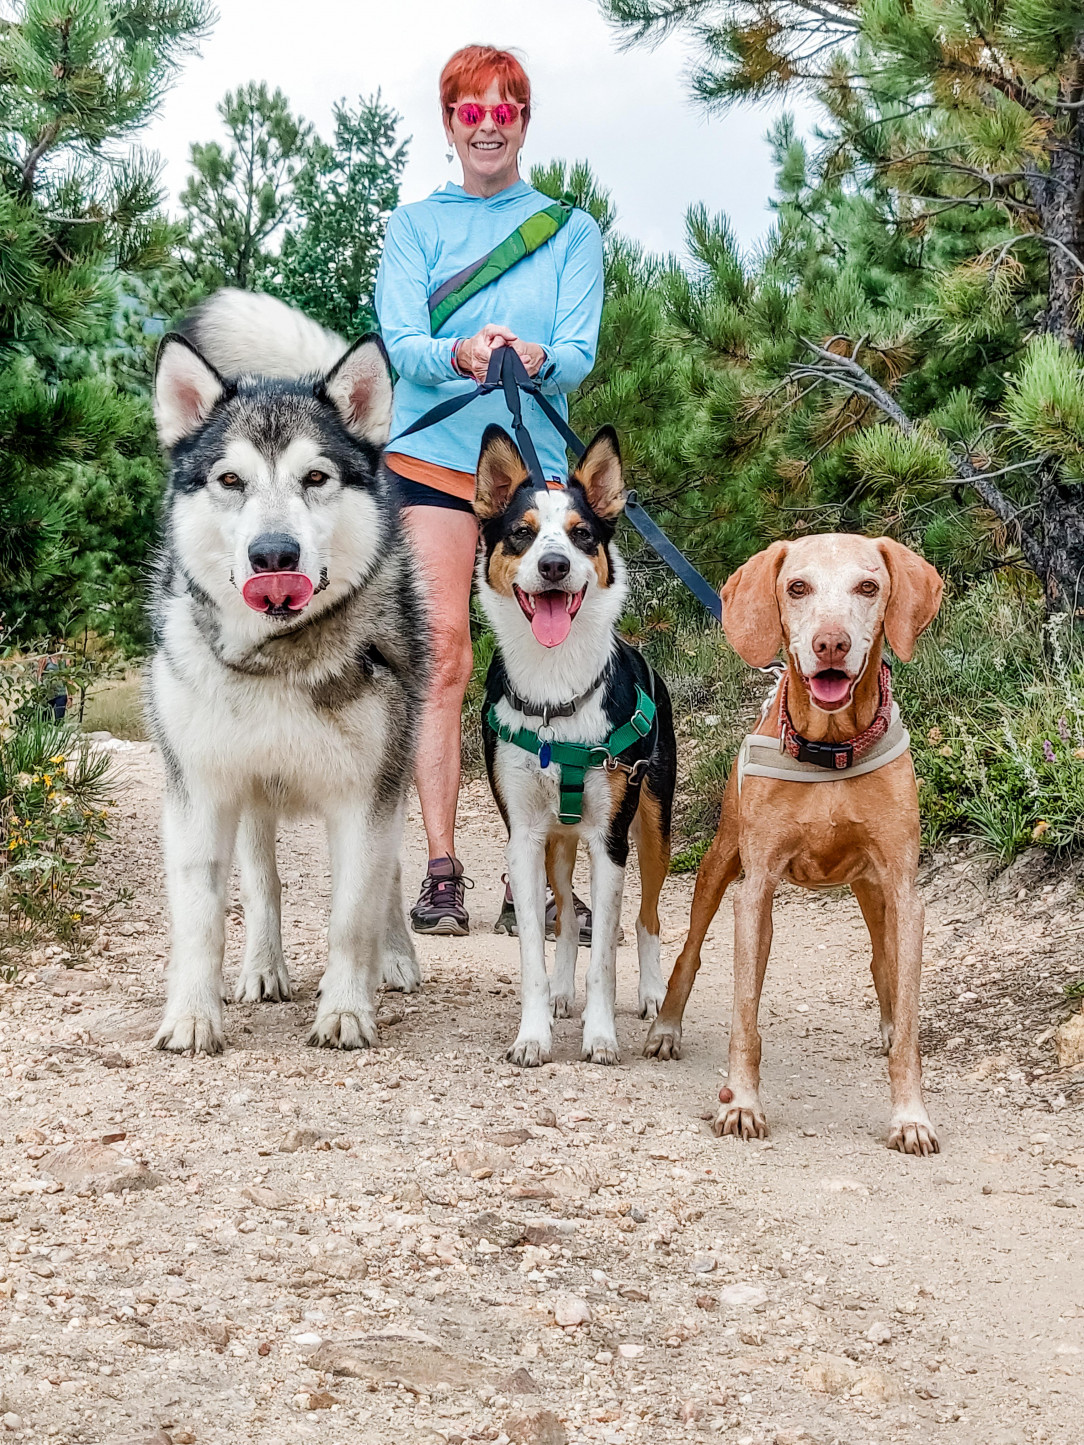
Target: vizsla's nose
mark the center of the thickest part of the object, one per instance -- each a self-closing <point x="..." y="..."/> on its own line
<point x="553" y="567"/>
<point x="831" y="647"/>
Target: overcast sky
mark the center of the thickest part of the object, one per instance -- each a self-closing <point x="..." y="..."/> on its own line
<point x="625" y="112"/>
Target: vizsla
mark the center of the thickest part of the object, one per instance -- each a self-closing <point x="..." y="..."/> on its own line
<point x="830" y="601"/>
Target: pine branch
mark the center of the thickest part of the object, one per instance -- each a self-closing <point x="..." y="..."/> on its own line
<point x="847" y="372"/>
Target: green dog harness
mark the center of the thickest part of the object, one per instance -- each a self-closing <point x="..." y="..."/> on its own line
<point x="575" y="759"/>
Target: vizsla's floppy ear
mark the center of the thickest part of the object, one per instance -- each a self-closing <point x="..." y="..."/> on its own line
<point x="501" y="470"/>
<point x="599" y="473"/>
<point x="914" y="599"/>
<point x="751" y="618"/>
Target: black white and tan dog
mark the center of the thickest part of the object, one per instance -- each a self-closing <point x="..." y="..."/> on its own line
<point x="578" y="731"/>
<point x="290" y="661"/>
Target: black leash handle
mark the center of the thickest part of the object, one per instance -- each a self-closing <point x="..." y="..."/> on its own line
<point x="507" y="371"/>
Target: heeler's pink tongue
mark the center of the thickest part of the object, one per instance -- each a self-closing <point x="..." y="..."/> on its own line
<point x="551" y="623"/>
<point x="830" y="688"/>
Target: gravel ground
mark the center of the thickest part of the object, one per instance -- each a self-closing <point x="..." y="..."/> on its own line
<point x="422" y="1244"/>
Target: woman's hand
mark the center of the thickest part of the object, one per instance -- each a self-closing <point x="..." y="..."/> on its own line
<point x="473" y="353"/>
<point x="531" y="354"/>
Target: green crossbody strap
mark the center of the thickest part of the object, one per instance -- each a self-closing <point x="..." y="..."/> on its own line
<point x="576" y="758"/>
<point x="534" y="232"/>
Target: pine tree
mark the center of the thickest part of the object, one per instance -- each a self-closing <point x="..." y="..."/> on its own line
<point x="240" y="196"/>
<point x="343" y="196"/>
<point x="79" y="210"/>
<point x="947" y="196"/>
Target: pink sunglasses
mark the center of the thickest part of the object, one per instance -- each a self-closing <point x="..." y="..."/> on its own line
<point x="471" y="114"/>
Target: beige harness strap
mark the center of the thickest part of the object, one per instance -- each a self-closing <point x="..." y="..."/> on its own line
<point x="760" y="757"/>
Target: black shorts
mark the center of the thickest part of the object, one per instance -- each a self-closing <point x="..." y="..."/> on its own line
<point x="417" y="494"/>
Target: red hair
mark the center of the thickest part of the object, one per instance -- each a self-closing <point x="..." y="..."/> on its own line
<point x="472" y="70"/>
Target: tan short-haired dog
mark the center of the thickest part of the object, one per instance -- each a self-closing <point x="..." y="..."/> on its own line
<point x="829" y="601"/>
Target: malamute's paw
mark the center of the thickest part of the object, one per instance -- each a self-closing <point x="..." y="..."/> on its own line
<point x="399" y="971"/>
<point x="663" y="1041"/>
<point x="650" y="1003"/>
<point x="264" y="983"/>
<point x="190" y="1034"/>
<point x="561" y="1003"/>
<point x="343" y="1031"/>
<point x="600" y="1049"/>
<point x="527" y="1053"/>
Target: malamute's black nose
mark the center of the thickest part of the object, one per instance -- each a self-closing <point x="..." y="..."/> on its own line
<point x="274" y="552"/>
<point x="553" y="567"/>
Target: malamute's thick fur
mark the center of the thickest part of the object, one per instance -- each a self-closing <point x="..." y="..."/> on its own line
<point x="274" y="430"/>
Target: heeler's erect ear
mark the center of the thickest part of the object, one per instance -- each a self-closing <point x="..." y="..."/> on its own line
<point x="359" y="388"/>
<point x="599" y="473"/>
<point x="501" y="470"/>
<point x="186" y="390"/>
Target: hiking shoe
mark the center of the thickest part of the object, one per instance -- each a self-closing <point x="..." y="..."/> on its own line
<point x="506" y="922"/>
<point x="439" y="908"/>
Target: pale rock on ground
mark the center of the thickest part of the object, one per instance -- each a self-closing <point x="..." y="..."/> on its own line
<point x="422" y="1244"/>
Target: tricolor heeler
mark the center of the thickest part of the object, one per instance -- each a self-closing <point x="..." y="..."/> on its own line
<point x="578" y="732"/>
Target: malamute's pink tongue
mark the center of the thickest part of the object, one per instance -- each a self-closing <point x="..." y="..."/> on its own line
<point x="266" y="590"/>
<point x="551" y="622"/>
<point x="829" y="688"/>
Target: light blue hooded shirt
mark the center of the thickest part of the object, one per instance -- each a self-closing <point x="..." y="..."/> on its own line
<point x="552" y="297"/>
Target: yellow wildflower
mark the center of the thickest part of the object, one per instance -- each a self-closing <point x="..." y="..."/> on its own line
<point x="1041" y="827"/>
<point x="934" y="736"/>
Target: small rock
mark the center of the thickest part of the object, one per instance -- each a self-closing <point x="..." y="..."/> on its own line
<point x="297" y="1139"/>
<point x="72" y="980"/>
<point x="706" y="1302"/>
<point x="12" y="1421"/>
<point x="519" y="1382"/>
<point x="266" y="1198"/>
<point x="702" y="1264"/>
<point x="569" y="1311"/>
<point x="535" y="1427"/>
<point x="630" y="1352"/>
<point x="546" y="1119"/>
<point x="737" y="1295"/>
<point x="1069" y="1042"/>
<point x="879" y="1333"/>
<point x="508" y="1138"/>
<point x="100" y="1169"/>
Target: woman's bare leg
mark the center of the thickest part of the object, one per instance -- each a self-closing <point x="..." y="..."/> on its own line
<point x="445" y="543"/>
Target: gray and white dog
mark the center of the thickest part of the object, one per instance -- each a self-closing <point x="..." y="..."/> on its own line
<point x="290" y="663"/>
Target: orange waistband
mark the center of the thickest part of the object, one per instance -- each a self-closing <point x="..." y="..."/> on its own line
<point x="441" y="479"/>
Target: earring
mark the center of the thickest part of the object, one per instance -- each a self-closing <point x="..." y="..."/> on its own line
<point x="449" y="157"/>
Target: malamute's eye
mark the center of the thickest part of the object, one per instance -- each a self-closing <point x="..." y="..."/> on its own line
<point x="315" y="479"/>
<point x="231" y="479"/>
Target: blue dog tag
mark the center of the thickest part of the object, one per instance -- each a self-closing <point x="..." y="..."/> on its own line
<point x="544" y="756"/>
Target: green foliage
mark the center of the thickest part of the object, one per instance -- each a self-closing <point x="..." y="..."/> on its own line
<point x="53" y="814"/>
<point x="79" y="215"/>
<point x="343" y="195"/>
<point x="239" y="195"/>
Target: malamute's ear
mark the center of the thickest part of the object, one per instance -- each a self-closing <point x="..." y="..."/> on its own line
<point x="599" y="473"/>
<point x="186" y="390"/>
<point x="501" y="470"/>
<point x="359" y="388"/>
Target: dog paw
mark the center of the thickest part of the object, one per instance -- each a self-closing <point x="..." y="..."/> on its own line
<point x="600" y="1050"/>
<point x="343" y="1031"/>
<point x="561" y="1004"/>
<point x="190" y="1034"/>
<point x="663" y="1041"/>
<point x="400" y="973"/>
<point x="740" y="1122"/>
<point x="529" y="1053"/>
<point x="263" y="983"/>
<point x="914" y="1136"/>
<point x="650" y="1004"/>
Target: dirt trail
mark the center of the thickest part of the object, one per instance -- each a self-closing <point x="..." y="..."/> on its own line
<point x="418" y="1216"/>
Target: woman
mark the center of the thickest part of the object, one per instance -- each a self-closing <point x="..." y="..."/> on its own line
<point x="547" y="307"/>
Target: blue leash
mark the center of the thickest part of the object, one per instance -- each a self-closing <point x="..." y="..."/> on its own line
<point x="507" y="373"/>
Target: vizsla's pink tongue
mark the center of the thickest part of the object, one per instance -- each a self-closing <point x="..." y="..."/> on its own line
<point x="829" y="688"/>
<point x="266" y="590"/>
<point x="551" y="622"/>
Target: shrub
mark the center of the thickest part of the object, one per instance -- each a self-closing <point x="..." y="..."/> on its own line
<point x="53" y="813"/>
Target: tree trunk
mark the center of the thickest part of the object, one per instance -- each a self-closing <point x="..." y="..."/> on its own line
<point x="1062" y="575"/>
<point x="1058" y="195"/>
